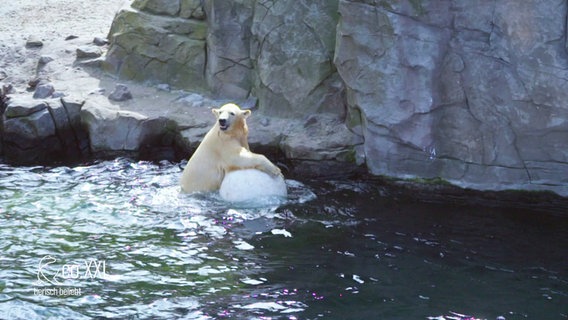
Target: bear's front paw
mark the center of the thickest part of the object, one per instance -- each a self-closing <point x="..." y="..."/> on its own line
<point x="275" y="171"/>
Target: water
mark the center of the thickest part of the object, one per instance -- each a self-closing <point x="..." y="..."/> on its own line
<point x="116" y="239"/>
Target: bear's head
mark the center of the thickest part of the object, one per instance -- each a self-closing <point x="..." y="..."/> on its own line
<point x="231" y="118"/>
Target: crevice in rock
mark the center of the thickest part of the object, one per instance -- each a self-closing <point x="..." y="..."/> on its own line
<point x="205" y="59"/>
<point x="565" y="31"/>
<point x="413" y="18"/>
<point x="234" y="63"/>
<point x="3" y="100"/>
<point x="321" y="83"/>
<point x="268" y="8"/>
<point x="261" y="46"/>
<point x="75" y="127"/>
<point x="329" y="53"/>
<point x="129" y="131"/>
<point x="59" y="131"/>
<point x="515" y="146"/>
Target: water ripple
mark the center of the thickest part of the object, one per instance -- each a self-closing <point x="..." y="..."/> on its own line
<point x="131" y="245"/>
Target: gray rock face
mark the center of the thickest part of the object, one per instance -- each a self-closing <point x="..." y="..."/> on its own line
<point x="280" y="53"/>
<point x="120" y="93"/>
<point x="292" y="50"/>
<point x="229" y="65"/>
<point x="112" y="131"/>
<point x="157" y="43"/>
<point x="34" y="42"/>
<point x="299" y="143"/>
<point x="44" y="90"/>
<point x="280" y="56"/>
<point x="474" y="93"/>
<point x="36" y="131"/>
<point x="84" y="52"/>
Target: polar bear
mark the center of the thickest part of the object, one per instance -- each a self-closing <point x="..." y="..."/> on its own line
<point x="225" y="151"/>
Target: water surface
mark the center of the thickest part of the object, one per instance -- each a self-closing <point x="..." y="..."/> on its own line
<point x="116" y="239"/>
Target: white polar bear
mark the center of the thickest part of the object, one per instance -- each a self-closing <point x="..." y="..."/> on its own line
<point x="224" y="154"/>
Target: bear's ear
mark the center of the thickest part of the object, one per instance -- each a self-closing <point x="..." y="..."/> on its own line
<point x="215" y="112"/>
<point x="246" y="113"/>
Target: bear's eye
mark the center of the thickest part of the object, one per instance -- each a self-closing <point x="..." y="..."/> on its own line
<point x="232" y="113"/>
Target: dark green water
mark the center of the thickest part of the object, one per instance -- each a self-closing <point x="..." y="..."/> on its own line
<point x="117" y="240"/>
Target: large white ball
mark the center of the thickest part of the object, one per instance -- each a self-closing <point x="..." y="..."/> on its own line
<point x="250" y="184"/>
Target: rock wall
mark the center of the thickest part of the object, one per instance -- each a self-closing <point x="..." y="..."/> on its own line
<point x="160" y="40"/>
<point x="470" y="92"/>
<point x="280" y="52"/>
<point x="39" y="131"/>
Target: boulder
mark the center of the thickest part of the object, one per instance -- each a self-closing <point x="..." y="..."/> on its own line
<point x="22" y="106"/>
<point x="159" y="7"/>
<point x="34" y="42"/>
<point x="44" y="90"/>
<point x="292" y="52"/>
<point x="120" y="93"/>
<point x="162" y="48"/>
<point x="31" y="139"/>
<point x="43" y="60"/>
<point x="41" y="131"/>
<point x="28" y="131"/>
<point x="88" y="52"/>
<point x="322" y="137"/>
<point x="113" y="131"/>
<point x="99" y="41"/>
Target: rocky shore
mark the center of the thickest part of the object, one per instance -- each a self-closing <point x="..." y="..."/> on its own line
<point x="393" y="89"/>
<point x="102" y="124"/>
<point x="63" y="107"/>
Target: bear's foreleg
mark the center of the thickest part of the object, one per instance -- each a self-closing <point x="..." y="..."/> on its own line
<point x="249" y="160"/>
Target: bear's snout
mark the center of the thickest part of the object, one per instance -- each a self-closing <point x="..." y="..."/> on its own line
<point x="223" y="124"/>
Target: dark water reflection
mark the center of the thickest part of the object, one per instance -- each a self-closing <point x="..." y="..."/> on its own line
<point x="354" y="251"/>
